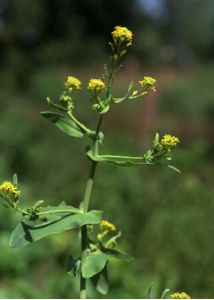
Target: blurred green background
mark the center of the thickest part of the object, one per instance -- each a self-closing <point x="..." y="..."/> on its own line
<point x="166" y="218"/>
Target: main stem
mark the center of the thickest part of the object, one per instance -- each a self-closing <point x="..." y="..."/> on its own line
<point x="85" y="205"/>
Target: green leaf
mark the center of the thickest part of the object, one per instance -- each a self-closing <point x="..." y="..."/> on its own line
<point x="113" y="240"/>
<point x="100" y="281"/>
<point x="73" y="266"/>
<point x="61" y="209"/>
<point x="64" y="123"/>
<point x="118" y="254"/>
<point x="94" y="263"/>
<point x="52" y="222"/>
<point x="156" y="140"/>
<point x="150" y="291"/>
<point x="117" y="160"/>
<point x="174" y="169"/>
<point x="15" y="180"/>
<point x="55" y="105"/>
<point x="163" y="294"/>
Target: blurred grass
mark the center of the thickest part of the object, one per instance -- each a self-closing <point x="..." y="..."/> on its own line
<point x="166" y="218"/>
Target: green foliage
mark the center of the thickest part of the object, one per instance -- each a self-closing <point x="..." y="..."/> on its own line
<point x="94" y="263"/>
<point x="53" y="220"/>
<point x="64" y="124"/>
<point x="100" y="281"/>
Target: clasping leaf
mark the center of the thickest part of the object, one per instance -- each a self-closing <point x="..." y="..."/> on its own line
<point x="52" y="220"/>
<point x="94" y="263"/>
<point x="64" y="123"/>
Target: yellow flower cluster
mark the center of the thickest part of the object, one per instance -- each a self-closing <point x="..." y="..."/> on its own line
<point x="8" y="189"/>
<point x="122" y="34"/>
<point x="148" y="82"/>
<point x="169" y="141"/>
<point x="72" y="83"/>
<point x="105" y="225"/>
<point x="96" y="85"/>
<point x="182" y="295"/>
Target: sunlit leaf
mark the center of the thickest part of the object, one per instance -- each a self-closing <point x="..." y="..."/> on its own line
<point x="64" y="123"/>
<point x="164" y="293"/>
<point x="52" y="222"/>
<point x="15" y="180"/>
<point x="94" y="263"/>
<point x="174" y="169"/>
<point x="156" y="140"/>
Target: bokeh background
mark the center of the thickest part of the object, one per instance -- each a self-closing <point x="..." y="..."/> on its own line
<point x="166" y="218"/>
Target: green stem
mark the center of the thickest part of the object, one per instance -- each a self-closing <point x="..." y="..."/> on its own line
<point x="82" y="126"/>
<point x="23" y="212"/>
<point x="122" y="157"/>
<point x="85" y="205"/>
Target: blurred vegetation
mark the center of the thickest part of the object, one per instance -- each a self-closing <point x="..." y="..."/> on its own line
<point x="166" y="219"/>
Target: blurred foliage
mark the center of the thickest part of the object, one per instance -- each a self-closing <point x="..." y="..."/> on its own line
<point x="167" y="219"/>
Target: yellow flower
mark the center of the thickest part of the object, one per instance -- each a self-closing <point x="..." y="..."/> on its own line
<point x="169" y="141"/>
<point x="182" y="295"/>
<point x="96" y="85"/>
<point x="148" y="82"/>
<point x="106" y="228"/>
<point x="105" y="225"/>
<point x="8" y="189"/>
<point x="122" y="34"/>
<point x="72" y="83"/>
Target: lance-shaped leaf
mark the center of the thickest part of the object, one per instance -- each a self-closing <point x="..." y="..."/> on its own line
<point x="61" y="209"/>
<point x="123" y="161"/>
<point x="118" y="254"/>
<point x="94" y="263"/>
<point x="64" y="123"/>
<point x="174" y="169"/>
<point x="164" y="293"/>
<point x="15" y="180"/>
<point x="30" y="231"/>
<point x="150" y="291"/>
<point x="100" y="281"/>
<point x="72" y="127"/>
